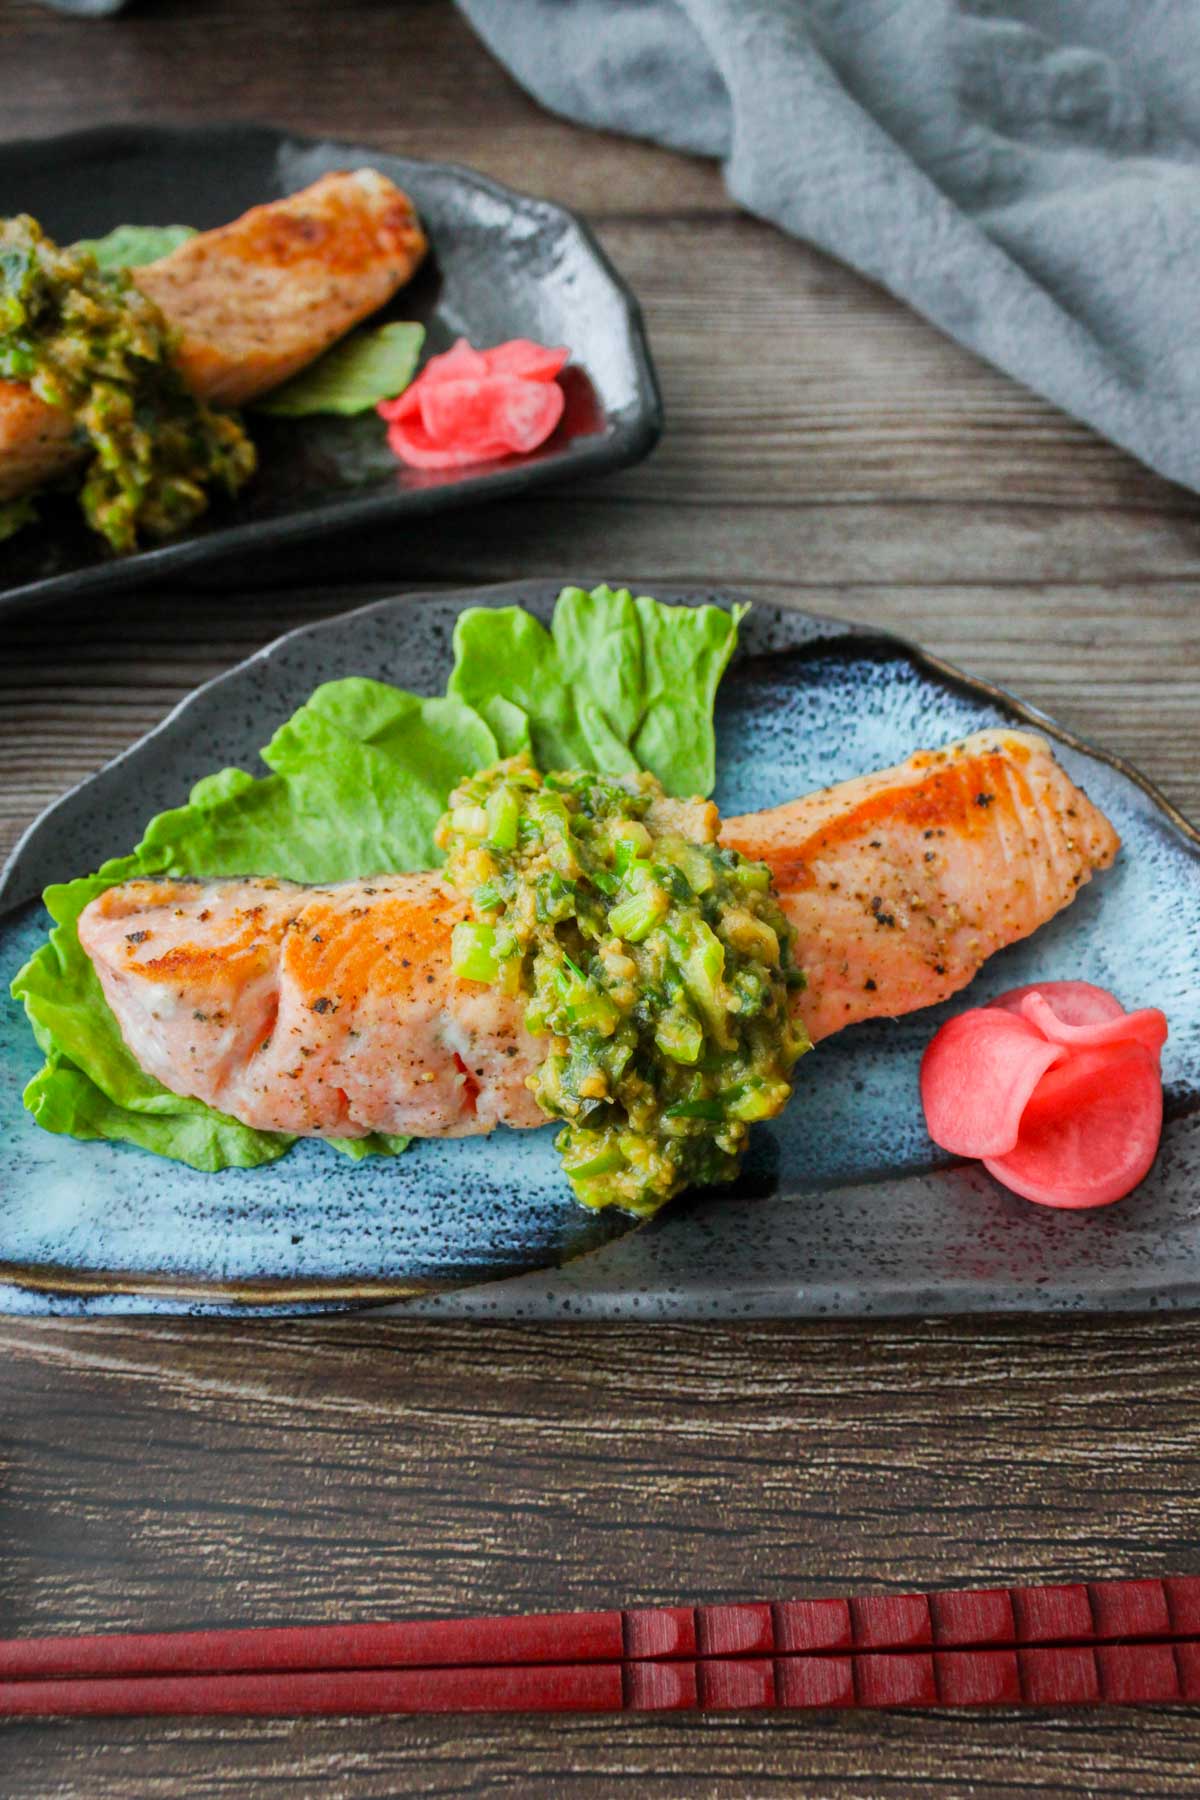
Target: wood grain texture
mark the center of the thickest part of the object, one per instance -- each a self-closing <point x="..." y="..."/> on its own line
<point x="824" y="448"/>
<point x="188" y="1474"/>
<point x="411" y="78"/>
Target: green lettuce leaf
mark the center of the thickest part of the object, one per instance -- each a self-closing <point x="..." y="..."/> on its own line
<point x="352" y="377"/>
<point x="616" y="684"/>
<point x="378" y="1143"/>
<point x="130" y="246"/>
<point x="358" y="778"/>
<point x="361" y="774"/>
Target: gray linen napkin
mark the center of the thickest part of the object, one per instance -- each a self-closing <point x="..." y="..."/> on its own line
<point x="1022" y="172"/>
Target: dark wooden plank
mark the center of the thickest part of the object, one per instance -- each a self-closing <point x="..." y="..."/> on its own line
<point x="180" y="1474"/>
<point x="842" y="1755"/>
<point x="411" y="78"/>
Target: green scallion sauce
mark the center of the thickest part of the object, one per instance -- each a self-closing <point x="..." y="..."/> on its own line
<point x="89" y="341"/>
<point x="657" y="963"/>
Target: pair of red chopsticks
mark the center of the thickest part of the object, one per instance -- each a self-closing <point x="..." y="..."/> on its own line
<point x="1103" y="1643"/>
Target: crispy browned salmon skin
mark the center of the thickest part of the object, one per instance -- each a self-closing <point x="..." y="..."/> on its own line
<point x="253" y="302"/>
<point x="334" y="1012"/>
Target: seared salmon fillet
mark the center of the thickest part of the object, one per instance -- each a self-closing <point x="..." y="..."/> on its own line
<point x="256" y="300"/>
<point x="901" y="884"/>
<point x="329" y="1012"/>
<point x="333" y="1012"/>
<point x="253" y="302"/>
<point x="37" y="442"/>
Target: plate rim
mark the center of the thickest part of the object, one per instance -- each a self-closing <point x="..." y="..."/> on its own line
<point x="630" y="441"/>
<point x="261" y="1296"/>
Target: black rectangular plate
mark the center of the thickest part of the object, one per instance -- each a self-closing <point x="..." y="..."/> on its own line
<point x="501" y="265"/>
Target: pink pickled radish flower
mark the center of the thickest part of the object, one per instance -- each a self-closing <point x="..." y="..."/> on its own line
<point x="1055" y="1087"/>
<point x="473" y="406"/>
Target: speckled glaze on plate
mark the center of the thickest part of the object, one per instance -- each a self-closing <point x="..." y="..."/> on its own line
<point x="844" y="1207"/>
<point x="501" y="265"/>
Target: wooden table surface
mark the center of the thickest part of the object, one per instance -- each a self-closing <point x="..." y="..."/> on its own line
<point x="824" y="448"/>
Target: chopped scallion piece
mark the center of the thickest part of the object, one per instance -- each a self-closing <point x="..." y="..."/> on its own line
<point x="470" y="821"/>
<point x="583" y="1163"/>
<point x="473" y="952"/>
<point x="503" y="810"/>
<point x="635" y="919"/>
<point x="755" y="1100"/>
<point x="680" y="1036"/>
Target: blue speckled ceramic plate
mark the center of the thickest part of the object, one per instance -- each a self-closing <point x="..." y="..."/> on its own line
<point x="501" y="265"/>
<point x="845" y="1206"/>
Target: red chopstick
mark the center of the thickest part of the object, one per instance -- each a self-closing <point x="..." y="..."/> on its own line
<point x="1062" y="1675"/>
<point x="407" y="1644"/>
<point x="1123" y="1642"/>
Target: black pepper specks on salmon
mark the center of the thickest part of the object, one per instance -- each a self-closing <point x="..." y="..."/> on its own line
<point x="136" y="937"/>
<point x="323" y="1004"/>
